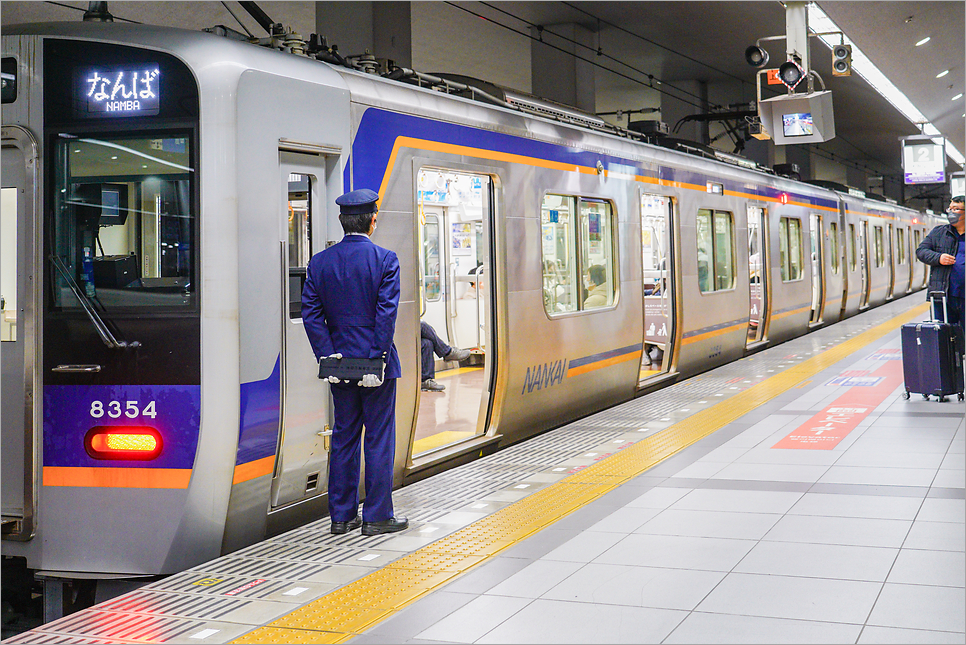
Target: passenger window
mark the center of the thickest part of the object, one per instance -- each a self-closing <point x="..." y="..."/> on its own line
<point x="577" y="242"/>
<point x="431" y="285"/>
<point x="716" y="243"/>
<point x="879" y="248"/>
<point x="900" y="246"/>
<point x="597" y="254"/>
<point x="790" y="248"/>
<point x="299" y="238"/>
<point x="124" y="222"/>
<point x="834" y="246"/>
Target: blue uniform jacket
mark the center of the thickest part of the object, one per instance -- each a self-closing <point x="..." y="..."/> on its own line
<point x="350" y="299"/>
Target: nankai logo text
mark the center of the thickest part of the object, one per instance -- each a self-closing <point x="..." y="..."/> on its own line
<point x="546" y="375"/>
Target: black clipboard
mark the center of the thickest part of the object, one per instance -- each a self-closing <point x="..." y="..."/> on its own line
<point x="351" y="369"/>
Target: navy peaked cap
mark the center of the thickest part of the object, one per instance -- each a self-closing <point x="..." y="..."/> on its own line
<point x="358" y="202"/>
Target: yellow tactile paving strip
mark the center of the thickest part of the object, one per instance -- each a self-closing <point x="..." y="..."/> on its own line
<point x="359" y="605"/>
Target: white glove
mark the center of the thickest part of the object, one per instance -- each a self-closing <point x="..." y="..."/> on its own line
<point x="333" y="379"/>
<point x="336" y="356"/>
<point x="370" y="380"/>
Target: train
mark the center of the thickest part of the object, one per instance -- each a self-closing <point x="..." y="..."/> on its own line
<point x="164" y="189"/>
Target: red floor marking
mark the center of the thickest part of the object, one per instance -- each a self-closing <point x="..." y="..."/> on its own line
<point x="827" y="428"/>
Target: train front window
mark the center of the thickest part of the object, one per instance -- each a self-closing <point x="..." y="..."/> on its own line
<point x="123" y="222"/>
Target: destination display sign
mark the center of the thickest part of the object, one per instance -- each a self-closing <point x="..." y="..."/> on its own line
<point x="120" y="91"/>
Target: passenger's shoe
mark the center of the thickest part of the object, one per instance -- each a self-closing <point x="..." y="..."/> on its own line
<point x="456" y="354"/>
<point x="338" y="528"/>
<point x="430" y="385"/>
<point x="391" y="525"/>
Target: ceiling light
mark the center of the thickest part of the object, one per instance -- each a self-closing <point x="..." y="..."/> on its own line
<point x="941" y="74"/>
<point x="958" y="96"/>
<point x="923" y="41"/>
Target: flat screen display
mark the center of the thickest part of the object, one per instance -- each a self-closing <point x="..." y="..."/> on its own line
<point x="797" y="124"/>
<point x="120" y="91"/>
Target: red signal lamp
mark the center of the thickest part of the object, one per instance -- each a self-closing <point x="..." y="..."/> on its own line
<point x="123" y="442"/>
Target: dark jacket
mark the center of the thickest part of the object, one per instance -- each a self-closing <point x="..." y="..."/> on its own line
<point x="350" y="299"/>
<point x="942" y="239"/>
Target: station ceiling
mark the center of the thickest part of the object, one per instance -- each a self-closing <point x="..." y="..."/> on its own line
<point x="678" y="41"/>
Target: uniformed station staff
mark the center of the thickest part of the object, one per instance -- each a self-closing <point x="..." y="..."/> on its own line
<point x="349" y="306"/>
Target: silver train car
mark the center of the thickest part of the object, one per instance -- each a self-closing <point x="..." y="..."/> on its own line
<point x="163" y="191"/>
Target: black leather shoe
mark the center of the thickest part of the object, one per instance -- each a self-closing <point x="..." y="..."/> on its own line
<point x="391" y="525"/>
<point x="338" y="528"/>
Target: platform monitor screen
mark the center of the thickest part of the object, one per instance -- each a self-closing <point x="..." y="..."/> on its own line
<point x="797" y="124"/>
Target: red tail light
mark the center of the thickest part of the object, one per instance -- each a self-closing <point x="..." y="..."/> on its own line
<point x="121" y="442"/>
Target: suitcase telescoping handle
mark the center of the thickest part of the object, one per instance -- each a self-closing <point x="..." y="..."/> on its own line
<point x="932" y="298"/>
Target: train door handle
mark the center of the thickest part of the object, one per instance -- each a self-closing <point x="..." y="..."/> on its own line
<point x="77" y="368"/>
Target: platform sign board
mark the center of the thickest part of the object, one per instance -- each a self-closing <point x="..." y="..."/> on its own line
<point x="924" y="160"/>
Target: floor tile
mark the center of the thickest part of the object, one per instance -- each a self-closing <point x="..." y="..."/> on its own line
<point x="420" y="616"/>
<point x="839" y="530"/>
<point x="879" y="459"/>
<point x="916" y="567"/>
<point x="842" y="601"/>
<point x="710" y="554"/>
<point x="936" y="536"/>
<point x="943" y="510"/>
<point x="541" y="543"/>
<point x="920" y="607"/>
<point x="636" y="586"/>
<point x="700" y="627"/>
<point x="772" y="472"/>
<point x="878" y="476"/>
<point x="552" y="621"/>
<point x="584" y="547"/>
<point x="743" y="501"/>
<point x="819" y="561"/>
<point x="474" y="619"/>
<point x="487" y="575"/>
<point x="867" y="506"/>
<point x="714" y="524"/>
<point x="950" y="479"/>
<point x="898" y="636"/>
<point x="535" y="579"/>
<point x="624" y="520"/>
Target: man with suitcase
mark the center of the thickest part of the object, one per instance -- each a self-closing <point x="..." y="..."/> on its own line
<point x="943" y="251"/>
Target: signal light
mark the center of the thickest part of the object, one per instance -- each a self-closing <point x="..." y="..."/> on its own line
<point x="121" y="442"/>
<point x="791" y="74"/>
<point x="756" y="56"/>
<point x="842" y="60"/>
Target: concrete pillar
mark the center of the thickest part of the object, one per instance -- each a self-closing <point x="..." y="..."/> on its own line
<point x="559" y="75"/>
<point x="383" y="28"/>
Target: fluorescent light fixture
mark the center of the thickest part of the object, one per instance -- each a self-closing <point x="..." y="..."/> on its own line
<point x="958" y="96"/>
<point x="819" y="22"/>
<point x="923" y="41"/>
<point x="942" y="73"/>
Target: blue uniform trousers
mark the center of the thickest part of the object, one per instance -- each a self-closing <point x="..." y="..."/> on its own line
<point x="374" y="407"/>
<point x="431" y="343"/>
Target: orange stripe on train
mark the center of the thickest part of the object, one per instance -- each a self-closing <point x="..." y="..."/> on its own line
<point x="117" y="477"/>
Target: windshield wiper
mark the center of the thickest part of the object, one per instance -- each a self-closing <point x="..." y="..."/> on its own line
<point x="99" y="325"/>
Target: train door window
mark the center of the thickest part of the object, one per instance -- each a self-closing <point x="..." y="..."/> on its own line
<point x="656" y="282"/>
<point x="299" y="238"/>
<point x="879" y="246"/>
<point x="900" y="246"/>
<point x="716" y="244"/>
<point x="124" y="222"/>
<point x="9" y="262"/>
<point x="852" y="250"/>
<point x="790" y="248"/>
<point x="431" y="285"/>
<point x="833" y="246"/>
<point x="560" y="292"/>
<point x="597" y="253"/>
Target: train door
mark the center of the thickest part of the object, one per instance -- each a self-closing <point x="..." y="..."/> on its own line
<point x="455" y="215"/>
<point x="657" y="213"/>
<point x="304" y="414"/>
<point x="17" y="332"/>
<point x="864" y="263"/>
<point x="818" y="268"/>
<point x="891" y="260"/>
<point x="757" y="274"/>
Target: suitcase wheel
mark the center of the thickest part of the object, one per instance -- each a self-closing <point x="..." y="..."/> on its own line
<point x="905" y="395"/>
<point x="959" y="397"/>
<point x="925" y="396"/>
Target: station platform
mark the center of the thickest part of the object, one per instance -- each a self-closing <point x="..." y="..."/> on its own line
<point x="793" y="496"/>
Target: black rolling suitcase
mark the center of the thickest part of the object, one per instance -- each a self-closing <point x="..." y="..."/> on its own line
<point x="932" y="357"/>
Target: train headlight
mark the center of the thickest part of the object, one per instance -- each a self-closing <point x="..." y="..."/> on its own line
<point x="123" y="442"/>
